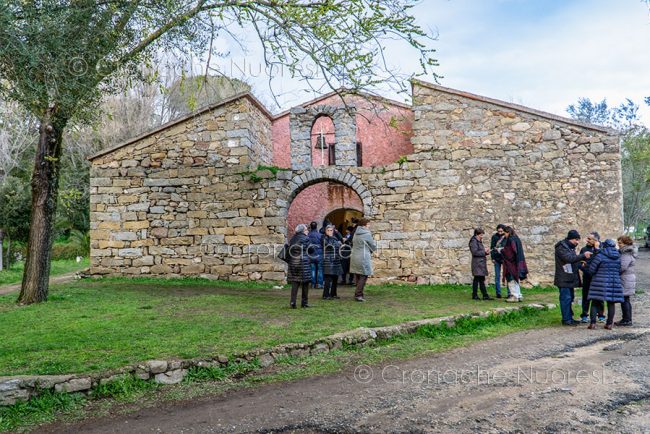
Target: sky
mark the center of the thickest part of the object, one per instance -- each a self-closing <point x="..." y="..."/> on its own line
<point x="542" y="54"/>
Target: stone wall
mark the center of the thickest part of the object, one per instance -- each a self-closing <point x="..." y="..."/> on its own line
<point x="490" y="162"/>
<point x="183" y="202"/>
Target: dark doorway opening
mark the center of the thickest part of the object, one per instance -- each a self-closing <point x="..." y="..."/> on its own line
<point x="342" y="218"/>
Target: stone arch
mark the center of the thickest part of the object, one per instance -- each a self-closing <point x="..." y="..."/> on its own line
<point x="304" y="179"/>
<point x="322" y="123"/>
<point x="301" y="120"/>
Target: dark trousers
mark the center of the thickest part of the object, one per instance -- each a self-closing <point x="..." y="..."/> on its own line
<point x="330" y="285"/>
<point x="346" y="276"/>
<point x="479" y="281"/>
<point x="626" y="307"/>
<point x="566" y="295"/>
<point x="586" y="283"/>
<point x="597" y="306"/>
<point x="361" y="284"/>
<point x="294" y="292"/>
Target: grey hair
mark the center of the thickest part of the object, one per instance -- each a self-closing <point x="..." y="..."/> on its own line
<point x="300" y="228"/>
<point x="596" y="235"/>
<point x="330" y="226"/>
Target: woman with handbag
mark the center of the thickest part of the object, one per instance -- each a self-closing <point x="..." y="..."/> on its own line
<point x="299" y="273"/>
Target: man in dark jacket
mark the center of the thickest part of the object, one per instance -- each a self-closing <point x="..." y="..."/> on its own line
<point x="316" y="255"/>
<point x="593" y="244"/>
<point x="497" y="258"/>
<point x="567" y="277"/>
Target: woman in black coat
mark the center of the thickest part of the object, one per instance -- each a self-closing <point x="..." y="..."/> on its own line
<point x="479" y="264"/>
<point x="331" y="263"/>
<point x="299" y="273"/>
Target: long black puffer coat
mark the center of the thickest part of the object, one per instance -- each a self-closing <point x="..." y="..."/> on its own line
<point x="332" y="256"/>
<point x="299" y="267"/>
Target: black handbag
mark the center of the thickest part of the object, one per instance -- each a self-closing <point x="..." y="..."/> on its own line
<point x="284" y="253"/>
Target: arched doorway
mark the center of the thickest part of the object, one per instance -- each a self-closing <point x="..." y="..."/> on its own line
<point x="342" y="218"/>
<point x="324" y="200"/>
<point x="329" y="174"/>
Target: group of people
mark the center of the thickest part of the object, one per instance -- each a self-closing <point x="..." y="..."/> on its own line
<point x="605" y="271"/>
<point x="507" y="254"/>
<point x="321" y="257"/>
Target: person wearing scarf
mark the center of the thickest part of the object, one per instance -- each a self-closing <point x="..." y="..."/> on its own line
<point x="514" y="263"/>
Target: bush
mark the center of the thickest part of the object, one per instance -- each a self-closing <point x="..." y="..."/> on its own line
<point x="67" y="251"/>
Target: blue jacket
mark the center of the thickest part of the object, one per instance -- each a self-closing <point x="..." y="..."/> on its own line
<point x="605" y="269"/>
<point x="316" y="247"/>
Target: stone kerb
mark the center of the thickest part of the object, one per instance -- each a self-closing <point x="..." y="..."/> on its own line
<point x="297" y="181"/>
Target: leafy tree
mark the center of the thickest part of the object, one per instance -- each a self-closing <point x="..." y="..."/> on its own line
<point x="14" y="212"/>
<point x="58" y="57"/>
<point x="635" y="161"/>
<point x="585" y="110"/>
<point x="188" y="94"/>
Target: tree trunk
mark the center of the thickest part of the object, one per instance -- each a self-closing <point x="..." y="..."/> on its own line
<point x="45" y="186"/>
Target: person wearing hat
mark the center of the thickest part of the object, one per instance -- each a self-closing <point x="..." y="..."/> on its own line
<point x="593" y="246"/>
<point x="567" y="278"/>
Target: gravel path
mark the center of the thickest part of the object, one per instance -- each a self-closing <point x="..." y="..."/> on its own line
<point x="553" y="380"/>
<point x="6" y="289"/>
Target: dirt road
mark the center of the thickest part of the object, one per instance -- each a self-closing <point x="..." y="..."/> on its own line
<point x="554" y="380"/>
<point x="6" y="289"/>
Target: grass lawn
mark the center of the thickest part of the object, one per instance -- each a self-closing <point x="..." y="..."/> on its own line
<point x="61" y="266"/>
<point x="130" y="396"/>
<point x="96" y="325"/>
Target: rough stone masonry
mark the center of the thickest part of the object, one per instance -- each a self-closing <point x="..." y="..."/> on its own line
<point x="187" y="199"/>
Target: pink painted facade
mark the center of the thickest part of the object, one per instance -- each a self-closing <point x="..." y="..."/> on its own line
<point x="384" y="131"/>
<point x="315" y="202"/>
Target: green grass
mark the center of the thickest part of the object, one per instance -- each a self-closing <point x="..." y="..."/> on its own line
<point x="39" y="410"/>
<point x="60" y="266"/>
<point x="98" y="325"/>
<point x="130" y="394"/>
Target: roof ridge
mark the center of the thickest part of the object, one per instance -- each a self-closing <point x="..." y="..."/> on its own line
<point x="196" y="113"/>
<point x="513" y="106"/>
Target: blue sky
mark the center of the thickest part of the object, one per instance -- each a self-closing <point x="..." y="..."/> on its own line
<point x="543" y="54"/>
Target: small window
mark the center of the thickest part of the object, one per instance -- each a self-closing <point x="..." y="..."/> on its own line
<point x="359" y="154"/>
<point x="331" y="156"/>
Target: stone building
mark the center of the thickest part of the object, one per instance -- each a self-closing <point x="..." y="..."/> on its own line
<point x="214" y="193"/>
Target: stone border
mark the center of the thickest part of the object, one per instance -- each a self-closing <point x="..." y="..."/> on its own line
<point x="22" y="388"/>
